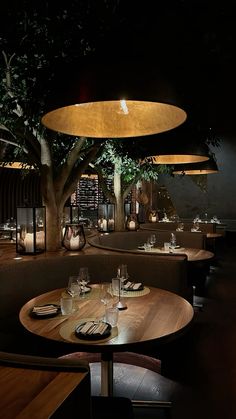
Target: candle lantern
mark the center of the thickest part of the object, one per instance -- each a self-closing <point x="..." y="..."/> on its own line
<point x="74" y="237"/>
<point x="127" y="210"/>
<point x="30" y="230"/>
<point x="132" y="222"/>
<point x="106" y="215"/>
<point x="71" y="214"/>
<point x="153" y="217"/>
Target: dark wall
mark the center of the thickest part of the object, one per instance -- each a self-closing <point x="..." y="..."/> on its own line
<point x="215" y="193"/>
<point x="17" y="188"/>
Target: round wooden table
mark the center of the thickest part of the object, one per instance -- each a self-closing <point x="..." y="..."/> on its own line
<point x="153" y="316"/>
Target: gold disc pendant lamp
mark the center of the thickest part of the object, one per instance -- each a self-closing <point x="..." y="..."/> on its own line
<point x="113" y="100"/>
<point x="202" y="168"/>
<point x="181" y="145"/>
<point x="181" y="153"/>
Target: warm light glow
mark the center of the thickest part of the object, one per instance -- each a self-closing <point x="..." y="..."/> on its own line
<point x="178" y="158"/>
<point x="16" y="165"/>
<point x="195" y="172"/>
<point x="105" y="119"/>
<point x="124" y="107"/>
<point x="203" y="168"/>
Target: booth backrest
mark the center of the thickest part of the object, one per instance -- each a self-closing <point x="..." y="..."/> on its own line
<point x="23" y="280"/>
<point x="130" y="240"/>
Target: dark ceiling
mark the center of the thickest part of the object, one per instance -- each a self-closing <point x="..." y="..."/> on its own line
<point x="192" y="43"/>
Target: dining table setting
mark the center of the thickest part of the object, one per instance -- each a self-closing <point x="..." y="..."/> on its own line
<point x="147" y="316"/>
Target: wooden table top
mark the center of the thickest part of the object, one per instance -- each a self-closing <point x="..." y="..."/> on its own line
<point x="193" y="255"/>
<point x="157" y="316"/>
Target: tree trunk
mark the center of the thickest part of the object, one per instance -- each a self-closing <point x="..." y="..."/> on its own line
<point x="54" y="225"/>
<point x="119" y="204"/>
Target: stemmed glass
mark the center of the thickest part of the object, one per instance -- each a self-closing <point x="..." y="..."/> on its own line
<point x="73" y="289"/>
<point x="152" y="240"/>
<point x="73" y="286"/>
<point x="83" y="280"/>
<point x="122" y="275"/>
<point x="105" y="295"/>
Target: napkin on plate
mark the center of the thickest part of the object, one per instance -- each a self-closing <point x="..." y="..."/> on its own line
<point x="132" y="286"/>
<point x="46" y="309"/>
<point x="92" y="328"/>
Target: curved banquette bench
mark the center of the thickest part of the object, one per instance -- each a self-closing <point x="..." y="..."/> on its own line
<point x="130" y="240"/>
<point x="203" y="227"/>
<point x="22" y="280"/>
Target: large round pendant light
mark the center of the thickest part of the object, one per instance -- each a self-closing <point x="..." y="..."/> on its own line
<point x="180" y="153"/>
<point x="114" y="119"/>
<point x="202" y="168"/>
<point x="181" y="145"/>
<point x="113" y="100"/>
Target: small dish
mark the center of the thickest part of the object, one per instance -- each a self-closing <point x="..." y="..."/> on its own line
<point x="95" y="335"/>
<point x="45" y="314"/>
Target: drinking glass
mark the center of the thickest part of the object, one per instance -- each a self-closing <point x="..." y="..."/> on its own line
<point x="111" y="315"/>
<point x="167" y="246"/>
<point x="122" y="274"/>
<point x="66" y="305"/>
<point x="83" y="279"/>
<point x="73" y="286"/>
<point x="105" y="295"/>
<point x="152" y="240"/>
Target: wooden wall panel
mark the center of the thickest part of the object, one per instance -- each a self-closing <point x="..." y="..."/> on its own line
<point x="17" y="188"/>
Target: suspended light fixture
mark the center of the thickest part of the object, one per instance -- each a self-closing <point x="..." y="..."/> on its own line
<point x="182" y="145"/>
<point x="112" y="100"/>
<point x="180" y="153"/>
<point x="202" y="168"/>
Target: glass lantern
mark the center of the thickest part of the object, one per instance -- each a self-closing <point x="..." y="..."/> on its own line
<point x="153" y="218"/>
<point x="74" y="237"/>
<point x="71" y="214"/>
<point x="106" y="215"/>
<point x="127" y="209"/>
<point x="30" y="230"/>
<point x="132" y="222"/>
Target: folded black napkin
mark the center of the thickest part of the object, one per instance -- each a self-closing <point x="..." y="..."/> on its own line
<point x="133" y="286"/>
<point x="45" y="309"/>
<point x="92" y="328"/>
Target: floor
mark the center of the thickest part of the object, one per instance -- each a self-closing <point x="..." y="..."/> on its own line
<point x="199" y="370"/>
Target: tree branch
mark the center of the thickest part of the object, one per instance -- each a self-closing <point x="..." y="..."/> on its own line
<point x="109" y="195"/>
<point x="72" y="180"/>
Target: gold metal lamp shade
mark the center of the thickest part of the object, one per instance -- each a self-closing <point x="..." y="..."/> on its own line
<point x="179" y="155"/>
<point x="114" y="119"/>
<point x="113" y="101"/>
<point x="182" y="145"/>
<point x="203" y="168"/>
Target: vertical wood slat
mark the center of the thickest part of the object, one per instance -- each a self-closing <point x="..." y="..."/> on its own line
<point x="17" y="189"/>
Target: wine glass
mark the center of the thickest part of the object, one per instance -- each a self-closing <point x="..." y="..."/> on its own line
<point x="105" y="295"/>
<point x="122" y="274"/>
<point x="83" y="279"/>
<point x="73" y="287"/>
<point x="152" y="240"/>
